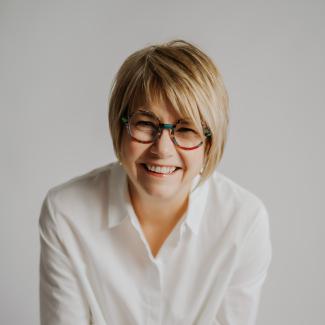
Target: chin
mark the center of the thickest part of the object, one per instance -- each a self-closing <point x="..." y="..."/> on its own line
<point x="160" y="193"/>
<point x="164" y="193"/>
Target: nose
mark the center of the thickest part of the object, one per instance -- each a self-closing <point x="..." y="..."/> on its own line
<point x="164" y="145"/>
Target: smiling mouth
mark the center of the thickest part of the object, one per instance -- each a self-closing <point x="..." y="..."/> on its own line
<point x="159" y="170"/>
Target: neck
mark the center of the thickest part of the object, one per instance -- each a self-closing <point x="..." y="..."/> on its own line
<point x="158" y="213"/>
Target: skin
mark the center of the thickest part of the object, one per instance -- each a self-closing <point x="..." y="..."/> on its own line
<point x="159" y="202"/>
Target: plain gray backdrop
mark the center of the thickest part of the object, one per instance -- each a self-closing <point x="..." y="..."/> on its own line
<point x="58" y="59"/>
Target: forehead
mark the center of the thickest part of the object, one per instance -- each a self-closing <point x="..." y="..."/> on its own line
<point x="156" y="100"/>
<point x="164" y="111"/>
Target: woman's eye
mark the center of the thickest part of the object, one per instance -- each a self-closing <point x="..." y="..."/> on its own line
<point x="186" y="130"/>
<point x="145" y="123"/>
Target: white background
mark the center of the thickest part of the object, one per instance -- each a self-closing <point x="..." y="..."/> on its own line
<point x="57" y="62"/>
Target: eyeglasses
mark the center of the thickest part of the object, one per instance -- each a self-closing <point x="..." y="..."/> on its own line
<point x="145" y="127"/>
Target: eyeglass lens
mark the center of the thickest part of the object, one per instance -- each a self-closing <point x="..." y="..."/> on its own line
<point x="145" y="126"/>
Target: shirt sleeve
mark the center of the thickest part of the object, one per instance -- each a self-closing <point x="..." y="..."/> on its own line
<point x="61" y="300"/>
<point x="240" y="304"/>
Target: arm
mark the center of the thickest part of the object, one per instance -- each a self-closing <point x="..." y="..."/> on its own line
<point x="61" y="300"/>
<point x="241" y="301"/>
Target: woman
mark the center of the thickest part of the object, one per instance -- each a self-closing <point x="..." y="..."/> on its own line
<point x="160" y="237"/>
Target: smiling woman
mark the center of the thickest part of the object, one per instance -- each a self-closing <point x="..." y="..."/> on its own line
<point x="160" y="236"/>
<point x="151" y="192"/>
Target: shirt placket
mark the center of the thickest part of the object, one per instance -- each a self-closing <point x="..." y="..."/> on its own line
<point x="154" y="273"/>
<point x="154" y="294"/>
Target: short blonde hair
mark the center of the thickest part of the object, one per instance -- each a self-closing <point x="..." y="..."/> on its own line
<point x="180" y="73"/>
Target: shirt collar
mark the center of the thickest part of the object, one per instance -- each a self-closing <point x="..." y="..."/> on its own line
<point x="117" y="195"/>
<point x="197" y="204"/>
<point x="119" y="200"/>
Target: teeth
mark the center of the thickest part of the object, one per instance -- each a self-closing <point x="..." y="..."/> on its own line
<point x="161" y="170"/>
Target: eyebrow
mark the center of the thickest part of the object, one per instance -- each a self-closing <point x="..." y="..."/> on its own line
<point x="185" y="120"/>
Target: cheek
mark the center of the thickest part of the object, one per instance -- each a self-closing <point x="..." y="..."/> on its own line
<point x="131" y="150"/>
<point x="194" y="161"/>
<point x="126" y="150"/>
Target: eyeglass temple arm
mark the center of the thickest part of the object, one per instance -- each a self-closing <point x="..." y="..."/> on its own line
<point x="207" y="132"/>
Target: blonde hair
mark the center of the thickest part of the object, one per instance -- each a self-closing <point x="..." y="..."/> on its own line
<point x="180" y="73"/>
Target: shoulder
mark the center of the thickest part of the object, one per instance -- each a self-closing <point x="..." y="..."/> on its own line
<point x="82" y="192"/>
<point x="231" y="190"/>
<point x="234" y="203"/>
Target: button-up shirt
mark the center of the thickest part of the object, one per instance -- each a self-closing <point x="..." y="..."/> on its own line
<point x="96" y="266"/>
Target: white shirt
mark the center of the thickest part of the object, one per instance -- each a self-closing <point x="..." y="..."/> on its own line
<point x="96" y="266"/>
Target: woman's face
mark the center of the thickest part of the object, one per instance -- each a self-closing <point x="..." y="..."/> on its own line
<point x="163" y="152"/>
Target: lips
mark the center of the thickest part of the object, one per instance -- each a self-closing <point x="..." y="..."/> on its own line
<point x="161" y="170"/>
<point x="161" y="166"/>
